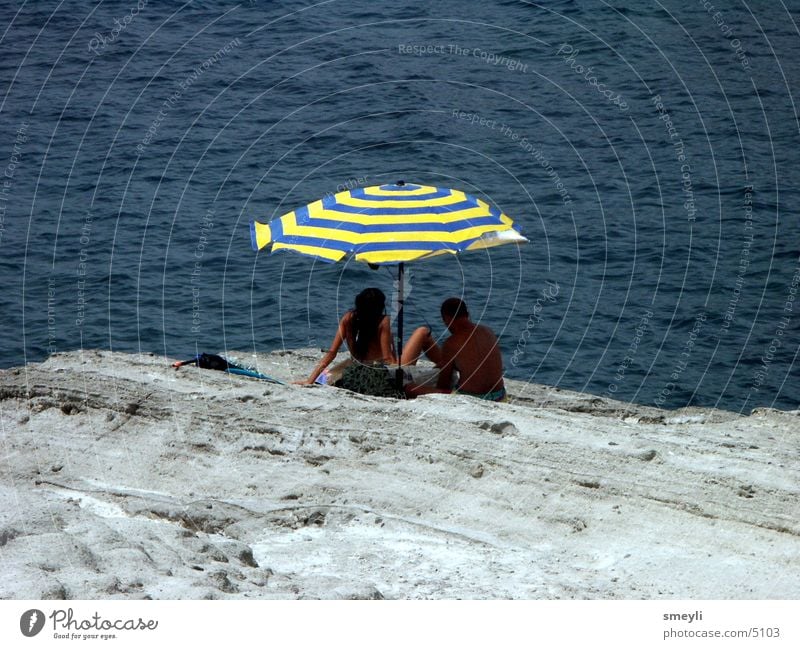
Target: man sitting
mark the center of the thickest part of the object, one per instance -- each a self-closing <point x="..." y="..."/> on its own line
<point x="472" y="351"/>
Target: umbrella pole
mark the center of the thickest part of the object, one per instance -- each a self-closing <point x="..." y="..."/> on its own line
<point x="400" y="299"/>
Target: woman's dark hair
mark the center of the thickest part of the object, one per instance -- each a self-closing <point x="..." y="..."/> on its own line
<point x="367" y="315"/>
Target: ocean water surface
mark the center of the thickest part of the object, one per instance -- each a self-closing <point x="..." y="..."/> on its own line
<point x="648" y="150"/>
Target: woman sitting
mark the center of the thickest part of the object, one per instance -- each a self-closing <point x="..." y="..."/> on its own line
<point x="368" y="333"/>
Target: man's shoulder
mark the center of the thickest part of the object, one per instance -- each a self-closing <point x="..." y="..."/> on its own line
<point x="486" y="331"/>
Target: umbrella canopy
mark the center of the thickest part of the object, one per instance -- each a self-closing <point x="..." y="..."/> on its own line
<point x="388" y="224"/>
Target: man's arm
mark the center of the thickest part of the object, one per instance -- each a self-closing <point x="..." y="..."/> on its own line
<point x="448" y="359"/>
<point x="444" y="379"/>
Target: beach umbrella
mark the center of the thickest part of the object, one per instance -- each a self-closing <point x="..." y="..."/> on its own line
<point x="388" y="224"/>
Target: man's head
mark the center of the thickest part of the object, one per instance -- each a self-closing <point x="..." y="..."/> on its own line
<point x="453" y="309"/>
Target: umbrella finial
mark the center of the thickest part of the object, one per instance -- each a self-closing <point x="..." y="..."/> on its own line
<point x="400" y="183"/>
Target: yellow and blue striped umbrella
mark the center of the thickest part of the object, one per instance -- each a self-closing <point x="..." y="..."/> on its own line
<point x="388" y="224"/>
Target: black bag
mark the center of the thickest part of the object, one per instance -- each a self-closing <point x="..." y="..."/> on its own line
<point x="207" y="362"/>
<point x="212" y="362"/>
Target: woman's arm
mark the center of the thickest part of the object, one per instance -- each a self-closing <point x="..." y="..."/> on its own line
<point x="329" y="355"/>
<point x="387" y="348"/>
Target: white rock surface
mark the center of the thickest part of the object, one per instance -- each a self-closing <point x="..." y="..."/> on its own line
<point x="124" y="478"/>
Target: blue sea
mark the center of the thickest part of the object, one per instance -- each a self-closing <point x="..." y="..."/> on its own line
<point x="648" y="150"/>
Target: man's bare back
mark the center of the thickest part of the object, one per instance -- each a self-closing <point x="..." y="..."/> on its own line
<point x="475" y="354"/>
<point x="472" y="351"/>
